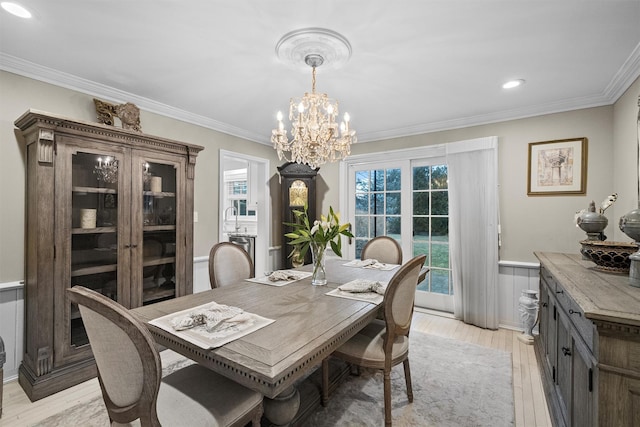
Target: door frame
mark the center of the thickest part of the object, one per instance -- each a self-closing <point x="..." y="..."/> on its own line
<point x="428" y="300"/>
<point x="263" y="199"/>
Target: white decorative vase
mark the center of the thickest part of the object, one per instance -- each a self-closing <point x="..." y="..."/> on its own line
<point x="528" y="303"/>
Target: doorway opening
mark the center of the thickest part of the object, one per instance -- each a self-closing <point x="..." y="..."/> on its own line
<point x="243" y="204"/>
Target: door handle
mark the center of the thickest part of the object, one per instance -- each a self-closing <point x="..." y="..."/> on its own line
<point x="566" y="351"/>
<point x="349" y="229"/>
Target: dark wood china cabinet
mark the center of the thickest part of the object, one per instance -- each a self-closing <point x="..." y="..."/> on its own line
<point x="109" y="209"/>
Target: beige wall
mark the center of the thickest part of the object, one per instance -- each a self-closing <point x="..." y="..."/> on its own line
<point x="528" y="223"/>
<point x="543" y="223"/>
<point x="18" y="94"/>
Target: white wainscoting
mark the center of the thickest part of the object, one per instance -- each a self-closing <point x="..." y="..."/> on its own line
<point x="513" y="279"/>
<point x="12" y="326"/>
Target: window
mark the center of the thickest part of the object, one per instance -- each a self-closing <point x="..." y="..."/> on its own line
<point x="236" y="193"/>
<point x="377" y="205"/>
<point x="430" y="198"/>
<point x="406" y="198"/>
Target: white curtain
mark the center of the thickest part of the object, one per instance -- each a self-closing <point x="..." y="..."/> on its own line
<point x="473" y="229"/>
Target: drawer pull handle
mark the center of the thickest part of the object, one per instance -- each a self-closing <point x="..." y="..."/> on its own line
<point x="571" y="311"/>
<point x="566" y="351"/>
<point x="560" y="292"/>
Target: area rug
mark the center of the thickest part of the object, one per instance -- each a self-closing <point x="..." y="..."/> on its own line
<point x="454" y="384"/>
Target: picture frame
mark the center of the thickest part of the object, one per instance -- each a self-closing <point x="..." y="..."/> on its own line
<point x="557" y="168"/>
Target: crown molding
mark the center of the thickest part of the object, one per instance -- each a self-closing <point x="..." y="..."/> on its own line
<point x="69" y="81"/>
<point x="620" y="82"/>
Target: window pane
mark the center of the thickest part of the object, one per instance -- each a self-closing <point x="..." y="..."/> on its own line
<point x="440" y="200"/>
<point x="393" y="180"/>
<point x="362" y="181"/>
<point x="393" y="226"/>
<point x="439" y="281"/>
<point x="379" y="226"/>
<point x="421" y="178"/>
<point x="393" y="204"/>
<point x="362" y="226"/>
<point x="362" y="203"/>
<point x="359" y="245"/>
<point x="420" y="227"/>
<point x="421" y="247"/>
<point x="440" y="255"/>
<point x="378" y="180"/>
<point x="440" y="229"/>
<point x="421" y="203"/>
<point x="378" y="203"/>
<point x="439" y="177"/>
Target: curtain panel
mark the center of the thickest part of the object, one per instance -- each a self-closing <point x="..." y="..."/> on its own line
<point x="473" y="229"/>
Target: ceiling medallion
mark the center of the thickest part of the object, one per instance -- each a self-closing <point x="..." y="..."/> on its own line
<point x="314" y="130"/>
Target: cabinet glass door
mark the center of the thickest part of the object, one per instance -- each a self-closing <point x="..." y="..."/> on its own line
<point x="159" y="197"/>
<point x="94" y="223"/>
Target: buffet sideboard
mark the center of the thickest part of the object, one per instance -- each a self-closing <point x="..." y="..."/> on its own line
<point x="588" y="347"/>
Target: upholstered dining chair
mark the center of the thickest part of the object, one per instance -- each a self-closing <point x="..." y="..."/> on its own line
<point x="383" y="344"/>
<point x="229" y="263"/>
<point x="130" y="375"/>
<point x="383" y="249"/>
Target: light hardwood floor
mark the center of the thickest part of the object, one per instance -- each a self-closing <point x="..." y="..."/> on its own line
<point x="530" y="404"/>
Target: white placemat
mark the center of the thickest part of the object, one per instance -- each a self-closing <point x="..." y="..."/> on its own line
<point x="199" y="335"/>
<point x="371" y="297"/>
<point x="266" y="281"/>
<point x="371" y="264"/>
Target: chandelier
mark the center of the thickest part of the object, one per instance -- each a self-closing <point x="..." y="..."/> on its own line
<point x="316" y="136"/>
<point x="107" y="170"/>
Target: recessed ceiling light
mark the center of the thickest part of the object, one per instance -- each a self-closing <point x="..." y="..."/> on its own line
<point x="512" y="83"/>
<point x="15" y="9"/>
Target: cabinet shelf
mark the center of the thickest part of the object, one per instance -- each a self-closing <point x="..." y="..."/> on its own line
<point x="93" y="230"/>
<point x="93" y="269"/>
<point x="158" y="228"/>
<point x="159" y="261"/>
<point x="159" y="194"/>
<point x="157" y="294"/>
<point x="94" y="190"/>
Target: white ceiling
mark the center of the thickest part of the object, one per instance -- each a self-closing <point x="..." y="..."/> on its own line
<point x="416" y="65"/>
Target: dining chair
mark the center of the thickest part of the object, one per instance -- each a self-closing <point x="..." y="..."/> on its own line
<point x="229" y="263"/>
<point x="130" y="375"/>
<point x="383" y="344"/>
<point x="383" y="249"/>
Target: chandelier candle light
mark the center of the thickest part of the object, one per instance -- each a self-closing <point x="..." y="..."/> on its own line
<point x="316" y="137"/>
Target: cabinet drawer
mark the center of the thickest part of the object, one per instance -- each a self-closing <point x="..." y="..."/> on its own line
<point x="548" y="279"/>
<point x="575" y="314"/>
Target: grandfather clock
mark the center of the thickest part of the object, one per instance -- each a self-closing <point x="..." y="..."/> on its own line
<point x="298" y="183"/>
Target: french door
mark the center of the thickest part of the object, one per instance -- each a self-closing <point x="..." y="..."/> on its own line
<point x="407" y="200"/>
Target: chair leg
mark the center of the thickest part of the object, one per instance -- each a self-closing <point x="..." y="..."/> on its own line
<point x="407" y="378"/>
<point x="325" y="381"/>
<point x="387" y="398"/>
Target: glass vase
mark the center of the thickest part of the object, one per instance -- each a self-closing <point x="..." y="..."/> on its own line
<point x="319" y="276"/>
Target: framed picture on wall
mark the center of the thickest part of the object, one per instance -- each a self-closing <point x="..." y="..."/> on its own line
<point x="557" y="167"/>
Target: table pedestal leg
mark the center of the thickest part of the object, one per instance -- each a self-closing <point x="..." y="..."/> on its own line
<point x="281" y="410"/>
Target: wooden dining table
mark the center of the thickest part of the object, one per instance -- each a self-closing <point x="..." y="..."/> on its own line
<point x="308" y="326"/>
